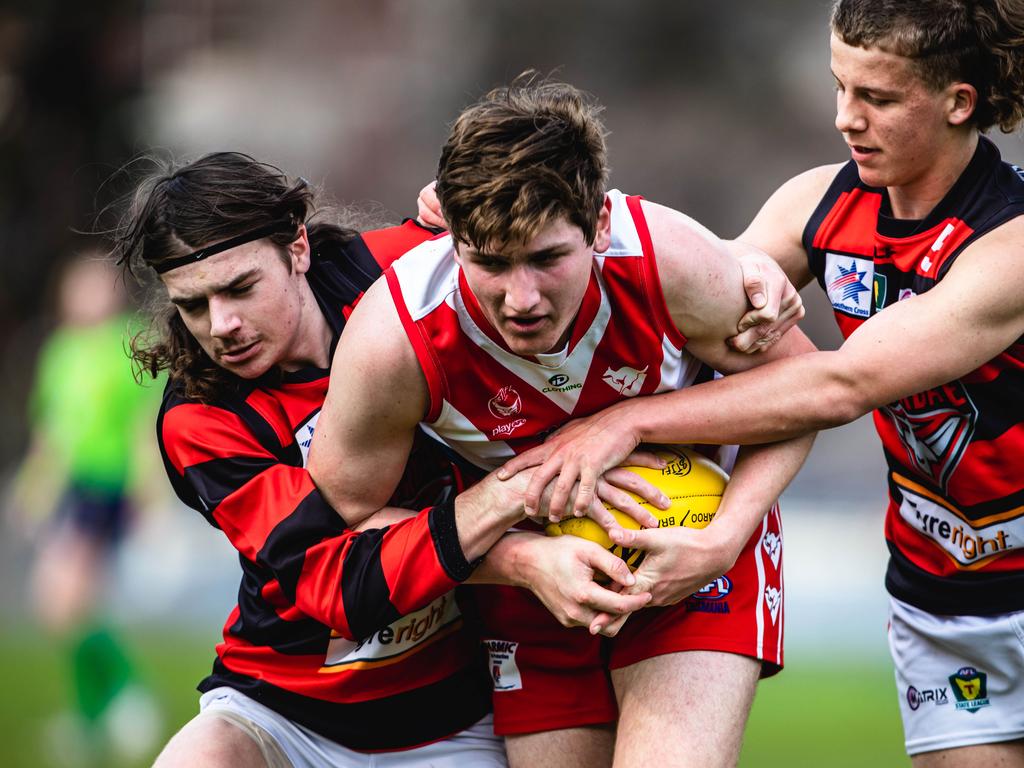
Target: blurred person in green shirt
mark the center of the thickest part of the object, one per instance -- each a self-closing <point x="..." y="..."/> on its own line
<point x="90" y="422"/>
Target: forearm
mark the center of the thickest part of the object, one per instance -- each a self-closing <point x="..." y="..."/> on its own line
<point x="507" y="561"/>
<point x="760" y="475"/>
<point x="778" y="401"/>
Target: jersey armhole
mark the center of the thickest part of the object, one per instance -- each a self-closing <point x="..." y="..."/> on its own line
<point x="424" y="352"/>
<point x="387" y="244"/>
<point x="651" y="280"/>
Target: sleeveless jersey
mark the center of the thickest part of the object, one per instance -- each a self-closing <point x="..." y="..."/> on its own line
<point x="357" y="636"/>
<point x="955" y="453"/>
<point x="487" y="403"/>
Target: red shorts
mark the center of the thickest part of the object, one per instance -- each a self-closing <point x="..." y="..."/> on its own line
<point x="547" y="677"/>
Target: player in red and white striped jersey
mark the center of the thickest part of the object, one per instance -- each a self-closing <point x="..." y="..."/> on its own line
<point x="552" y="299"/>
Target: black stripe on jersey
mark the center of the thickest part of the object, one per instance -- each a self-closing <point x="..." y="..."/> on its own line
<point x="400" y="721"/>
<point x="996" y="400"/>
<point x="970" y="511"/>
<point x="284" y="551"/>
<point x="215" y="480"/>
<point x="342" y="275"/>
<point x="364" y="590"/>
<point x="966" y="594"/>
<point x="259" y="624"/>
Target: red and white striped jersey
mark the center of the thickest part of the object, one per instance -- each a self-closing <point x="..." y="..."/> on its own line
<point x="487" y="403"/>
<point x="955" y="523"/>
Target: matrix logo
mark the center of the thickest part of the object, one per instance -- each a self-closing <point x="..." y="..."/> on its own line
<point x="970" y="688"/>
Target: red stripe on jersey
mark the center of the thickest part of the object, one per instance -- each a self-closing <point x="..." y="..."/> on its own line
<point x="283" y="607"/>
<point x="248" y="524"/>
<point x="301" y="400"/>
<point x="194" y="433"/>
<point x="650" y="280"/>
<point x="432" y="369"/>
<point x="1011" y="359"/>
<point x="270" y="408"/>
<point x="406" y="548"/>
<point x="389" y="243"/>
<point x="306" y="674"/>
<point x="983" y="474"/>
<point x="860" y="209"/>
<point x="321" y="581"/>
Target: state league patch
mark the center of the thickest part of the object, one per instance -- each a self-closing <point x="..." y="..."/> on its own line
<point x="849" y="282"/>
<point x="970" y="687"/>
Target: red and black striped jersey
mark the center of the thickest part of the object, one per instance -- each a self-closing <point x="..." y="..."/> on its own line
<point x="358" y="636"/>
<point x="955" y="453"/>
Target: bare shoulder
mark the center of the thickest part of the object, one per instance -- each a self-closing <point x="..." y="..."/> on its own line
<point x="778" y="227"/>
<point x="374" y="343"/>
<point x="700" y="278"/>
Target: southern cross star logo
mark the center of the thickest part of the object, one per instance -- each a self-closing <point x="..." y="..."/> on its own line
<point x="850" y="282"/>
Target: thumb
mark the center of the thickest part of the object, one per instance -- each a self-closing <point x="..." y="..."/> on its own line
<point x="753" y="283"/>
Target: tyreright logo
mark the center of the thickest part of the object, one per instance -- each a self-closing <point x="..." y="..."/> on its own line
<point x="970" y="687"/>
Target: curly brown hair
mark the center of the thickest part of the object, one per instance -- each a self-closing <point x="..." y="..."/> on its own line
<point x="979" y="42"/>
<point x="522" y="156"/>
<point x="176" y="209"/>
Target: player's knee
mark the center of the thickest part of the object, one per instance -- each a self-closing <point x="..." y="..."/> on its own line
<point x="212" y="742"/>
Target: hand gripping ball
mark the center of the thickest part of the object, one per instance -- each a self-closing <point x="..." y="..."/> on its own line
<point x="693" y="483"/>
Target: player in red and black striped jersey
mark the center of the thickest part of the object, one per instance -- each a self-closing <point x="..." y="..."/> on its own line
<point x="918" y="241"/>
<point x="344" y="641"/>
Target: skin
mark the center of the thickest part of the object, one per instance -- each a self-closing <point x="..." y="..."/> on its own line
<point x="530" y="292"/>
<point x="915" y="141"/>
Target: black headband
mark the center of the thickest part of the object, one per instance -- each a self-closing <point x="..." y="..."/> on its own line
<point x="224" y="245"/>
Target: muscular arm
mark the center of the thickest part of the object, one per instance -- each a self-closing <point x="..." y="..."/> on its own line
<point x="272" y="514"/>
<point x="966" y="319"/>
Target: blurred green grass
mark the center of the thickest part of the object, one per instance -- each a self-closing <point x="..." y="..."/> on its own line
<point x="819" y="712"/>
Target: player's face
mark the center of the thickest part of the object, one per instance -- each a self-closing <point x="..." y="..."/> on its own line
<point x="531" y="292"/>
<point x="246" y="307"/>
<point x="897" y="127"/>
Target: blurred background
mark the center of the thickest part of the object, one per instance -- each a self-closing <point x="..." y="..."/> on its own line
<point x="710" y="106"/>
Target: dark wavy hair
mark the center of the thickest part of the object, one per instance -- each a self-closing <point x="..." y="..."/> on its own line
<point x="979" y="42"/>
<point x="520" y="157"/>
<point x="176" y="209"/>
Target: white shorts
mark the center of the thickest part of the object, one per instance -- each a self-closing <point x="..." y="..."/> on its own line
<point x="960" y="679"/>
<point x="303" y="748"/>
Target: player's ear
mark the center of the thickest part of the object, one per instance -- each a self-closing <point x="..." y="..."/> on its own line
<point x="299" y="252"/>
<point x="603" y="235"/>
<point x="962" y="101"/>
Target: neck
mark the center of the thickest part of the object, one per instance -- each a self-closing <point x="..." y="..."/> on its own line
<point x="312" y="337"/>
<point x="918" y="198"/>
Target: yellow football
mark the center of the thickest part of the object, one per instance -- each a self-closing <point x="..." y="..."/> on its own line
<point x="693" y="483"/>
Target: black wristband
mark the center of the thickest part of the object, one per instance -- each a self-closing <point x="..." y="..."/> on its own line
<point x="446" y="541"/>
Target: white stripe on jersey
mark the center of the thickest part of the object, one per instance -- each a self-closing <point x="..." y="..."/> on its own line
<point x="468" y="441"/>
<point x="576" y="365"/>
<point x="761" y="586"/>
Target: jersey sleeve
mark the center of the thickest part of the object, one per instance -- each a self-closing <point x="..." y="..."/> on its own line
<point x="353" y="582"/>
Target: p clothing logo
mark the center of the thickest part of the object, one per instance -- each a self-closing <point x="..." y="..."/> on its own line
<point x="970" y="687"/>
<point x="849" y="282"/>
<point x="502" y="664"/>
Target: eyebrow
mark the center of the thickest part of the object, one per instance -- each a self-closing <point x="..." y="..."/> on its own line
<point x="238" y="280"/>
<point x="554" y="250"/>
<point x="875" y="90"/>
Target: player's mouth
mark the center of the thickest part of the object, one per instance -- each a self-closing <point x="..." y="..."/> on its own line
<point x="240" y="354"/>
<point x="860" y="153"/>
<point x="525" y="324"/>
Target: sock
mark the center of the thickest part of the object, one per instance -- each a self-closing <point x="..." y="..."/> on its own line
<point x="100" y="670"/>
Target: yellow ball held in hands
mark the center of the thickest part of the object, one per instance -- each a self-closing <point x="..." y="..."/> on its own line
<point x="693" y="483"/>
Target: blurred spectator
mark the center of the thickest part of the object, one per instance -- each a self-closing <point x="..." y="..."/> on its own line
<point x="90" y="422"/>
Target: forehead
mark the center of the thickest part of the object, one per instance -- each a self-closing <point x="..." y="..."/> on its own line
<point x="220" y="270"/>
<point x="872" y="67"/>
<point x="558" y="234"/>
